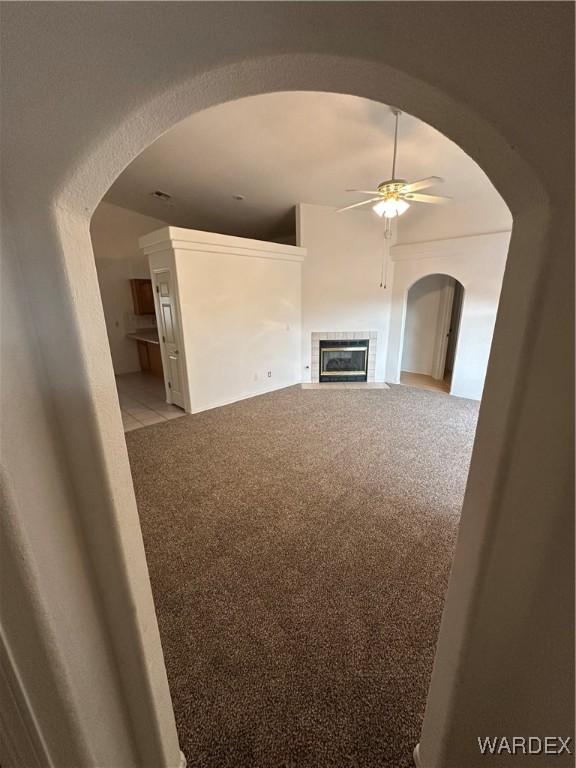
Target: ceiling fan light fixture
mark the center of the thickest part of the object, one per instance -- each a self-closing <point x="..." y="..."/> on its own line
<point x="390" y="208"/>
<point x="393" y="194"/>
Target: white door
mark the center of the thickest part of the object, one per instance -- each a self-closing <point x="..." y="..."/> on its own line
<point x="169" y="333"/>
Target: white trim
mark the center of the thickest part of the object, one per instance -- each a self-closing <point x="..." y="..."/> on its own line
<point x="165" y="367"/>
<point x="179" y="239"/>
<point x="416" y="755"/>
<point x="451" y="246"/>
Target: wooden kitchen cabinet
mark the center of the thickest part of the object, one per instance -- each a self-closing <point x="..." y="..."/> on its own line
<point x="155" y="358"/>
<point x="142" y="296"/>
<point x="143" y="356"/>
<point x="150" y="358"/>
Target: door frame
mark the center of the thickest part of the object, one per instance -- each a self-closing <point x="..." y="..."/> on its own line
<point x="154" y="272"/>
<point x="443" y="329"/>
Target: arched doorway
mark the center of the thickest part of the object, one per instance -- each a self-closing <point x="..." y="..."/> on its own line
<point x="405" y="733"/>
<point x="433" y="312"/>
<point x="125" y="576"/>
<point x="71" y="336"/>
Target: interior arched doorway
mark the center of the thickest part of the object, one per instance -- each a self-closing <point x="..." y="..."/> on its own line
<point x="325" y="73"/>
<point x="187" y="143"/>
<point x="73" y="341"/>
<point x="293" y="69"/>
<point x="434" y="306"/>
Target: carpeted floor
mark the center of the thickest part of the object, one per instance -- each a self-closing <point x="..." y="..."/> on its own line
<point x="299" y="545"/>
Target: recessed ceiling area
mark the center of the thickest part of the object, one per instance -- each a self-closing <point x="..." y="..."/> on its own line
<point x="240" y="168"/>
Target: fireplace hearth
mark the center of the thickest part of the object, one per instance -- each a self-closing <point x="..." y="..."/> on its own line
<point x="343" y="360"/>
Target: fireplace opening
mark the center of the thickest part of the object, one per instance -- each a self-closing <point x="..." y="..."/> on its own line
<point x="344" y="360"/>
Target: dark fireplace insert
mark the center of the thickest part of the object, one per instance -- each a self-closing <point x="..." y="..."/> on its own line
<point x="344" y="360"/>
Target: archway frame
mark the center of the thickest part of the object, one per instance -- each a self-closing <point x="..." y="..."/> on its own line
<point x="436" y="353"/>
<point x="96" y="439"/>
<point x="477" y="263"/>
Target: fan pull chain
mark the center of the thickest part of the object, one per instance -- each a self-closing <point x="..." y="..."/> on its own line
<point x="385" y="252"/>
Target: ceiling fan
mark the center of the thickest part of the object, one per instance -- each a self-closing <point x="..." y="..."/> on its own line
<point x="393" y="197"/>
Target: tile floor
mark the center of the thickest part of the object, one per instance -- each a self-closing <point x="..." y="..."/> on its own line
<point x="142" y="401"/>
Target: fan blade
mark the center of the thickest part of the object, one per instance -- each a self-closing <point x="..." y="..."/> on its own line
<point x="365" y="191"/>
<point x="414" y="186"/>
<point x="357" y="205"/>
<point x="425" y="198"/>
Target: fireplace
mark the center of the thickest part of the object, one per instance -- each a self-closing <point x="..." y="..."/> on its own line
<point x="344" y="360"/>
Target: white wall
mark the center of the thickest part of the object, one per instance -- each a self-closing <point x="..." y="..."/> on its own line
<point x="478" y="263"/>
<point x="423" y="306"/>
<point x="341" y="277"/>
<point x="115" y="232"/>
<point x="464" y="215"/>
<point x="340" y="292"/>
<point x="240" y="305"/>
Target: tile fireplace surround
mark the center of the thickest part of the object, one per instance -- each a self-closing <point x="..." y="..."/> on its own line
<point x="372" y="336"/>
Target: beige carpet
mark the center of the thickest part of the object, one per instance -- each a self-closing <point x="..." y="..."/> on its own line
<point x="299" y="545"/>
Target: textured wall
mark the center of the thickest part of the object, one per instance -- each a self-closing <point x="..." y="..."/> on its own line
<point x="120" y="74"/>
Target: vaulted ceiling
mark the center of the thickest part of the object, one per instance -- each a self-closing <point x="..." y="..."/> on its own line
<point x="278" y="149"/>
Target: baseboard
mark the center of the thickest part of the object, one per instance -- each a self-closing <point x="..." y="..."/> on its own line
<point x="257" y="393"/>
<point x="416" y="755"/>
<point x="417" y="373"/>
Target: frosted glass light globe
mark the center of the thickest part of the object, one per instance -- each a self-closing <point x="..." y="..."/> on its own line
<point x="391" y="208"/>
